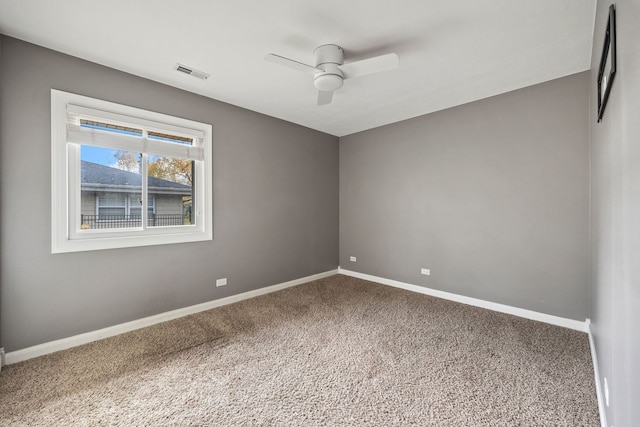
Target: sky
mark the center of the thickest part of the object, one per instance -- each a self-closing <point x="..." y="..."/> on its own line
<point x="103" y="156"/>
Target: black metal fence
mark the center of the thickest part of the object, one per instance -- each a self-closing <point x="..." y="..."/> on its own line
<point x="91" y="222"/>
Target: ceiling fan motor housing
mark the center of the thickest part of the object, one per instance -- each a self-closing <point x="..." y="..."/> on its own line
<point x="328" y="57"/>
<point x="329" y="54"/>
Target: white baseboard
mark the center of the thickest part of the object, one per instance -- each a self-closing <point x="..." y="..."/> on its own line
<point x="76" y="340"/>
<point x="577" y="325"/>
<point x="85" y="338"/>
<point x="596" y="373"/>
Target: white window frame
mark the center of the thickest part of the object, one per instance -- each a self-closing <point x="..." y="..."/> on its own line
<point x="66" y="139"/>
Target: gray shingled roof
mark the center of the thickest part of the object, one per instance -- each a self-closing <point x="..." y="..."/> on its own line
<point x="96" y="176"/>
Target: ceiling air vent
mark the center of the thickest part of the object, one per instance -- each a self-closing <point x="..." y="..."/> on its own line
<point x="192" y="72"/>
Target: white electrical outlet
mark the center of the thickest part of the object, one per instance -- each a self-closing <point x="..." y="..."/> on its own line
<point x="221" y="282"/>
<point x="352" y="259"/>
<point x="425" y="271"/>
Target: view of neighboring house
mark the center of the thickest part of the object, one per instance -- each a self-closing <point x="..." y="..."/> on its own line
<point x="111" y="198"/>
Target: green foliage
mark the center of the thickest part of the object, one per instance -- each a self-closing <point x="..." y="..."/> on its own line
<point x="172" y="169"/>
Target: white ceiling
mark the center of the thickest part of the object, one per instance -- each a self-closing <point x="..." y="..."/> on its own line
<point x="451" y="52"/>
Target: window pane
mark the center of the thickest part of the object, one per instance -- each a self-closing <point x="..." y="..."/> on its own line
<point x="170" y="187"/>
<point x="112" y="199"/>
<point x="108" y="127"/>
<point x="170" y="138"/>
<point x="110" y="181"/>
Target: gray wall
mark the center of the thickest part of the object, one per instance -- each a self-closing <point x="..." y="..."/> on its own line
<point x="1" y="191"/>
<point x="275" y="207"/>
<point x="615" y="218"/>
<point x="492" y="196"/>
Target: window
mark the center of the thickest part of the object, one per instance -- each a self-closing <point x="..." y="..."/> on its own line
<point x="118" y="210"/>
<point x="110" y="204"/>
<point x="133" y="205"/>
<point x="110" y="160"/>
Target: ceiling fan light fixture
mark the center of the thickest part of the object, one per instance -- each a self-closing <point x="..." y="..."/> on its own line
<point x="328" y="82"/>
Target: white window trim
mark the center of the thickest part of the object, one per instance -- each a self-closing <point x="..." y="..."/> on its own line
<point x="66" y="235"/>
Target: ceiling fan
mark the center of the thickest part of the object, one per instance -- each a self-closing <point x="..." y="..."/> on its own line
<point x="329" y="71"/>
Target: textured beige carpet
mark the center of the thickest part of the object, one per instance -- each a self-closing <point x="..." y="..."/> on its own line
<point x="338" y="351"/>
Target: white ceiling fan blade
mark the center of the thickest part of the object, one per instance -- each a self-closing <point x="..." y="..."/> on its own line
<point x="281" y="60"/>
<point x="370" y="65"/>
<point x="324" y="97"/>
